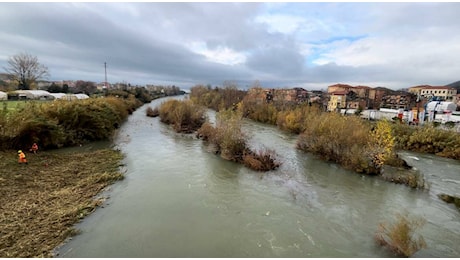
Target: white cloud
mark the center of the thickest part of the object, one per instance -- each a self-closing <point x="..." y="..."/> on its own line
<point x="286" y="24"/>
<point x="222" y="55"/>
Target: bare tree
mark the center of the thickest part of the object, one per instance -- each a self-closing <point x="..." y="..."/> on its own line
<point x="26" y="69"/>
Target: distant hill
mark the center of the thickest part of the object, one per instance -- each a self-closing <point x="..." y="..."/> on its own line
<point x="455" y="85"/>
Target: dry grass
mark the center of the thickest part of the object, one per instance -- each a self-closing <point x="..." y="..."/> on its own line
<point x="399" y="237"/>
<point x="41" y="201"/>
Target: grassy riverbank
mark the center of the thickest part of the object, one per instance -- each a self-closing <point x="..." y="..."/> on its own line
<point x="40" y="202"/>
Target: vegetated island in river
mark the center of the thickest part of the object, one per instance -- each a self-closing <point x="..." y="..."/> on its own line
<point x="42" y="200"/>
<point x="364" y="146"/>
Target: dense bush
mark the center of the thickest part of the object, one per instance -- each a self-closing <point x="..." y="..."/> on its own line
<point x="298" y="118"/>
<point x="184" y="116"/>
<point x="434" y="140"/>
<point x="295" y="120"/>
<point x="428" y="139"/>
<point x="63" y="123"/>
<point x="399" y="237"/>
<point x="260" y="112"/>
<point x="341" y="139"/>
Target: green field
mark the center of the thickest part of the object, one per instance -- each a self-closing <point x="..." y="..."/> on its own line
<point x="11" y="105"/>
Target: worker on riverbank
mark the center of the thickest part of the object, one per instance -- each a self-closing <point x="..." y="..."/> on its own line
<point x="34" y="148"/>
<point x="21" y="157"/>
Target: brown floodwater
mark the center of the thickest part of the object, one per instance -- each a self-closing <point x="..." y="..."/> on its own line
<point x="180" y="200"/>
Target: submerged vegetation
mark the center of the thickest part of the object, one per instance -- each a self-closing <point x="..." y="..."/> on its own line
<point x="450" y="199"/>
<point x="399" y="237"/>
<point x="40" y="202"/>
<point x="231" y="143"/>
<point x="357" y="144"/>
<point x="226" y="138"/>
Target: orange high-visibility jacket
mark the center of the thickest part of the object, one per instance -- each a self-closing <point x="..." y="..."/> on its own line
<point x="22" y="157"/>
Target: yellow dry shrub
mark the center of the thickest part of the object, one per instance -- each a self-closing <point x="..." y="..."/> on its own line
<point x="399" y="237"/>
<point x="382" y="143"/>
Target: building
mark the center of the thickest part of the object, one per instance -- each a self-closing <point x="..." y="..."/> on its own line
<point x="438" y="93"/>
<point x="366" y="97"/>
<point x="337" y="100"/>
<point x="296" y="95"/>
<point x="339" y="87"/>
<point x="399" y="100"/>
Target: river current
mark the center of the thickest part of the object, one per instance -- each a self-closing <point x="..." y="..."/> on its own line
<point x="180" y="200"/>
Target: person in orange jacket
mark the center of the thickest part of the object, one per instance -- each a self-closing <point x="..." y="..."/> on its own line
<point x="22" y="157"/>
<point x="34" y="148"/>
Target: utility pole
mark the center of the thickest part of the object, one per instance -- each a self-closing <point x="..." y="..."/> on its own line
<point x="105" y="68"/>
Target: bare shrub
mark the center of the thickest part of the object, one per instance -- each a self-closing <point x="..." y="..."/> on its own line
<point x="231" y="143"/>
<point x="261" y="160"/>
<point x="450" y="199"/>
<point x="399" y="237"/>
<point x="152" y="112"/>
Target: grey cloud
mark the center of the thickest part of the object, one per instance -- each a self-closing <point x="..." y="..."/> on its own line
<point x="146" y="42"/>
<point x="280" y="61"/>
<point x="92" y="39"/>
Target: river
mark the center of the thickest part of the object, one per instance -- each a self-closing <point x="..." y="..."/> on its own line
<point x="180" y="200"/>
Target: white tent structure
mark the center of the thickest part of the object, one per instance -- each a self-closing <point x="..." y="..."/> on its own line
<point x="64" y="96"/>
<point x="81" y="96"/>
<point x="3" y="96"/>
<point x="34" y="94"/>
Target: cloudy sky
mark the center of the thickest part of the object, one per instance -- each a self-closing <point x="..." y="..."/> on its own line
<point x="310" y="45"/>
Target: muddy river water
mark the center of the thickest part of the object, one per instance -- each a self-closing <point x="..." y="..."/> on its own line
<point x="180" y="200"/>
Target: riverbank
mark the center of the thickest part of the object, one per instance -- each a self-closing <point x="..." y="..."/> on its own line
<point x="40" y="202"/>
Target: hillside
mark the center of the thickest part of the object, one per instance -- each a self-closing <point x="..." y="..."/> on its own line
<point x="456" y="85"/>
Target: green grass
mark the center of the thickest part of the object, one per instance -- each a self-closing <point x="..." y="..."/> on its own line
<point x="12" y="105"/>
